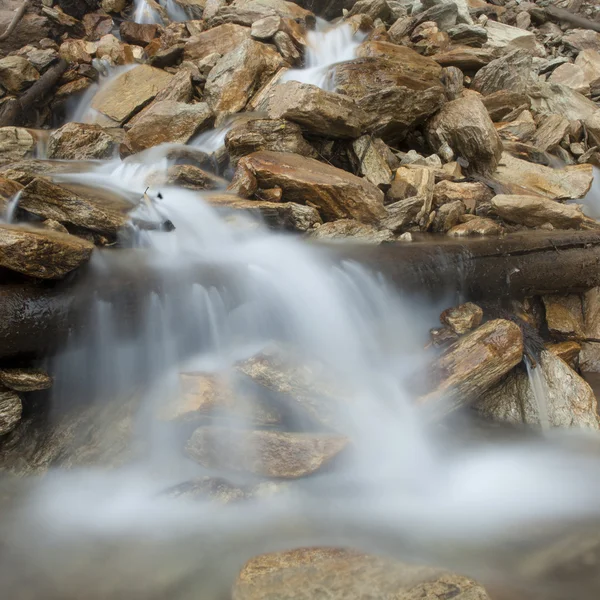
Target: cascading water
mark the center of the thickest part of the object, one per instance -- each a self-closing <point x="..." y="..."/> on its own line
<point x="11" y="208"/>
<point x="145" y="14"/>
<point x="538" y="390"/>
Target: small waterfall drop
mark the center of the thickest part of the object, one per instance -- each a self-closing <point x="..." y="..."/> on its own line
<point x="537" y="382"/>
<point x="12" y="207"/>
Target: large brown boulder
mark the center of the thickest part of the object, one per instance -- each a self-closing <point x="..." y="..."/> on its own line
<point x="512" y="72"/>
<point x="168" y="121"/>
<point x="79" y="141"/>
<point x="17" y="73"/>
<point x="130" y="92"/>
<point x="317" y="111"/>
<point x="41" y="253"/>
<point x="337" y="194"/>
<point x="247" y="12"/>
<point x="222" y="40"/>
<point x="15" y="143"/>
<point x="239" y="74"/>
<point x="465" y="125"/>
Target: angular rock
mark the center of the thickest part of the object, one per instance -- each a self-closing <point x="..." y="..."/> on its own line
<point x="50" y="201"/>
<point x="25" y="380"/>
<point x="476" y="226"/>
<point x="592" y="126"/>
<point x="317" y="111"/>
<point x="247" y="137"/>
<point x="11" y="410"/>
<point x="551" y="132"/>
<point x="572" y="76"/>
<point x="570" y="402"/>
<point x="462" y="318"/>
<point x="473" y="364"/>
<point x="131" y="91"/>
<point x="17" y="73"/>
<point x="413" y="181"/>
<point x="582" y="39"/>
<point x="534" y="211"/>
<point x="77" y="51"/>
<point x="465" y="58"/>
<point x="287" y="48"/>
<point x="453" y="80"/>
<point x="555" y="99"/>
<point x="372" y="163"/>
<point x="281" y="216"/>
<point x="78" y="141"/>
<point x="246" y="12"/>
<point x="447" y="216"/>
<point x="138" y="34"/>
<point x="41" y="253"/>
<point x="471" y="194"/>
<point x="191" y="178"/>
<point x="336" y="193"/>
<point x="168" y="121"/>
<point x="266" y="28"/>
<point x="506" y="37"/>
<point x="96" y="25"/>
<point x="564" y="315"/>
<point x="343" y="229"/>
<point x="512" y="72"/>
<point x="471" y="35"/>
<point x="465" y="125"/>
<point x="567" y="351"/>
<point x="238" y="75"/>
<point x="222" y="39"/>
<point x="521" y="177"/>
<point x="15" y="143"/>
<point x="264" y="453"/>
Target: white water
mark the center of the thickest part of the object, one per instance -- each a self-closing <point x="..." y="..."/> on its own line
<point x="327" y="46"/>
<point x="591" y="202"/>
<point x="144" y="13"/>
<point x="539" y="391"/>
<point x="11" y="208"/>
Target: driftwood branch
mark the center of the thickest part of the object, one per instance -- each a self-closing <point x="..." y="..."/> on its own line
<point x="564" y="15"/>
<point x="15" y="21"/>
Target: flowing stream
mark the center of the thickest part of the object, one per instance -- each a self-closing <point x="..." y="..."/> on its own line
<point x="217" y="290"/>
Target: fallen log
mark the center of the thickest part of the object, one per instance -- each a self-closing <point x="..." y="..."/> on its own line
<point x="15" y="21"/>
<point x="561" y="14"/>
<point x="35" y="318"/>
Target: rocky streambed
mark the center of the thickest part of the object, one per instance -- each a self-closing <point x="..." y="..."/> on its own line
<point x="430" y="173"/>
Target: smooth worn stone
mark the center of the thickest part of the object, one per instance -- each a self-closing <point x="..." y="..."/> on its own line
<point x="512" y="72"/>
<point x="471" y="194"/>
<point x="317" y="111"/>
<point x="17" y="73"/>
<point x="522" y="177"/>
<point x="50" y="201"/>
<point x="477" y="226"/>
<point x="336" y="193"/>
<point x="25" y="380"/>
<point x="462" y="318"/>
<point x="473" y="364"/>
<point x="447" y="216"/>
<point x="564" y="315"/>
<point x="551" y="132"/>
<point x="568" y="400"/>
<point x="239" y="74"/>
<point x="11" y="410"/>
<point x="534" y="211"/>
<point x="274" y="453"/>
<point x="277" y="135"/>
<point x="15" y="143"/>
<point x="466" y="127"/>
<point x="41" y="253"/>
<point x="344" y="229"/>
<point x="79" y="141"/>
<point x="222" y="40"/>
<point x="129" y="92"/>
<point x="168" y="121"/>
<point x="342" y="574"/>
<point x="281" y="216"/>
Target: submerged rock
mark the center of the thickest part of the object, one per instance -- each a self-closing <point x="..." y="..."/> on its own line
<point x="337" y="194"/>
<point x="568" y="399"/>
<point x="11" y="410"/>
<point x="265" y="453"/>
<point x="41" y="253"/>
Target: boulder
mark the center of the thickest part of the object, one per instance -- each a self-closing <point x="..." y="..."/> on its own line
<point x="78" y="141"/>
<point x="571" y="75"/>
<point x="137" y="33"/>
<point x="287" y="48"/>
<point x="534" y="211"/>
<point x="372" y="161"/>
<point x="11" y="410"/>
<point x="551" y="132"/>
<point x="568" y="400"/>
<point x="512" y="72"/>
<point x="465" y="58"/>
<point x="77" y="51"/>
<point x="222" y="40"/>
<point x="506" y="37"/>
<point x="592" y="125"/>
<point x="564" y="315"/>
<point x="471" y="194"/>
<point x="15" y="143"/>
<point x="41" y="253"/>
<point x="189" y="177"/>
<point x="273" y="454"/>
<point x="167" y="121"/>
<point x="555" y="99"/>
<point x="447" y="216"/>
<point x="111" y="48"/>
<point x="278" y="135"/>
<point x="471" y="35"/>
<point x="17" y="73"/>
<point x="265" y="28"/>
<point x="525" y="178"/>
<point x="473" y="364"/>
<point x="25" y="380"/>
<point x="464" y="124"/>
<point x="238" y="75"/>
<point x="50" y="201"/>
<point x="582" y="39"/>
<point x="129" y="92"/>
<point x="317" y="111"/>
<point x="339" y="574"/>
<point x="281" y="216"/>
<point x="335" y="193"/>
<point x="96" y="25"/>
<point x="355" y="231"/>
<point x="246" y="12"/>
<point x="462" y="318"/>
